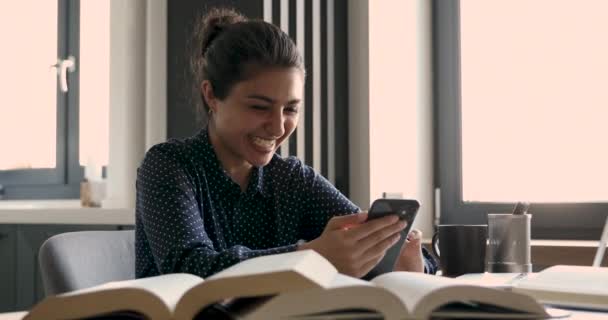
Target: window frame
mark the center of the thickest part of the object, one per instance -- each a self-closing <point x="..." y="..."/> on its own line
<point x="549" y="220"/>
<point x="63" y="181"/>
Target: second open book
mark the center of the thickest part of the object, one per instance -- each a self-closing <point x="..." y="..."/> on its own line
<point x="580" y="287"/>
<point x="300" y="284"/>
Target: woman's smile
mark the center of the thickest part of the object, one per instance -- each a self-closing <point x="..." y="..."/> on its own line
<point x="264" y="145"/>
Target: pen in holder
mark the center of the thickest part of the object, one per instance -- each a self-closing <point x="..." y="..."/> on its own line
<point x="509" y="242"/>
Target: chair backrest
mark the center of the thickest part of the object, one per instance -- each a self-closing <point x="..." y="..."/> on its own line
<point x="77" y="260"/>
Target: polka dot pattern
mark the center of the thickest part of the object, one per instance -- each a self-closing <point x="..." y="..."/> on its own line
<point x="191" y="217"/>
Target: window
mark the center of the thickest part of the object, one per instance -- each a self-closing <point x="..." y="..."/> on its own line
<point x="44" y="132"/>
<point x="521" y="112"/>
<point x="94" y="90"/>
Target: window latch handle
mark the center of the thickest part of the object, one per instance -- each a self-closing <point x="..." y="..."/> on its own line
<point x="64" y="66"/>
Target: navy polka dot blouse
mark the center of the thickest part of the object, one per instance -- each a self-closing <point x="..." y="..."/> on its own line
<point x="191" y="217"/>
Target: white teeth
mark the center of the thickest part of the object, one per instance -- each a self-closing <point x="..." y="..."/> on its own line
<point x="265" y="143"/>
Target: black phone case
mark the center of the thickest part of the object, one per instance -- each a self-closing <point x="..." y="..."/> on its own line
<point x="406" y="209"/>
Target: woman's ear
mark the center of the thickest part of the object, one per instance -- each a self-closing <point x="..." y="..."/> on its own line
<point x="207" y="93"/>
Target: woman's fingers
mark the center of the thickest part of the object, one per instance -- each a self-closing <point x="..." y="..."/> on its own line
<point x="376" y="239"/>
<point x="346" y="221"/>
<point x="380" y="247"/>
<point x="369" y="265"/>
<point x="375" y="254"/>
<point x="355" y="245"/>
<point x="368" y="228"/>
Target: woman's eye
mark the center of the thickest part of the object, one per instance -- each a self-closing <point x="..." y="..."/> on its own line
<point x="259" y="107"/>
<point x="291" y="109"/>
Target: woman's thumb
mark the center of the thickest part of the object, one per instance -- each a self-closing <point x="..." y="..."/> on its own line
<point x="414" y="241"/>
<point x="347" y="221"/>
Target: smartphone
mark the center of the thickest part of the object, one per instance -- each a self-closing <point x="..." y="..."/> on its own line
<point x="405" y="209"/>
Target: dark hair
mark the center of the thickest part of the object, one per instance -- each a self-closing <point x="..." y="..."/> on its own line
<point x="226" y="48"/>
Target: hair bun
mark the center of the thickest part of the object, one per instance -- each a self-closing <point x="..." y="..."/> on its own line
<point x="216" y="21"/>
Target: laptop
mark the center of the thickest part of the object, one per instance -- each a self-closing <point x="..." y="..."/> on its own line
<point x="601" y="248"/>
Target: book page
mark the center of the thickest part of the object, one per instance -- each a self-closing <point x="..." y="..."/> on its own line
<point x="569" y="286"/>
<point x="425" y="294"/>
<point x="411" y="287"/>
<point x="306" y="262"/>
<point x="152" y="284"/>
<point x="260" y="276"/>
<point x="152" y="297"/>
<point x="344" y="298"/>
<point x="341" y="280"/>
<point x="168" y="287"/>
<point x="495" y="280"/>
<point x="582" y="279"/>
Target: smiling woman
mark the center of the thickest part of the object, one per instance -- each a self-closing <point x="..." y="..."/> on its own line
<point x="248" y="126"/>
<point x="224" y="195"/>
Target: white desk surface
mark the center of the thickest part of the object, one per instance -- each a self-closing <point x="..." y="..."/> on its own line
<point x="13" y="315"/>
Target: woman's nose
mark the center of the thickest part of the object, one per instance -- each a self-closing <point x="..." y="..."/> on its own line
<point x="276" y="124"/>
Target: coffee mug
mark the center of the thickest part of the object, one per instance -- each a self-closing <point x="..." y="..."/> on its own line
<point x="460" y="248"/>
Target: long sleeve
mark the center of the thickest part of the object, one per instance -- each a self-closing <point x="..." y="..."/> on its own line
<point x="321" y="201"/>
<point x="430" y="264"/>
<point x="172" y="221"/>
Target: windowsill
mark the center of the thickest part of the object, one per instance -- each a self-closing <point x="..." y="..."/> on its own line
<point x="553" y="252"/>
<point x="38" y="204"/>
<point x="551" y="243"/>
<point x="61" y="212"/>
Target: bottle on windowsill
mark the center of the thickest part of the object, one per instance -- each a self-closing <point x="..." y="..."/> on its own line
<point x="93" y="187"/>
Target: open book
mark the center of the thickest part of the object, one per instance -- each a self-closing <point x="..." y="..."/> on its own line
<point x="296" y="285"/>
<point x="568" y="286"/>
<point x="184" y="296"/>
<point x="403" y="295"/>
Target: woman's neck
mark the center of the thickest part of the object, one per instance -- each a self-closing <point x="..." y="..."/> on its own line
<point x="238" y="170"/>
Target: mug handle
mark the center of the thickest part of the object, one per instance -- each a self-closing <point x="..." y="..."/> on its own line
<point x="434" y="244"/>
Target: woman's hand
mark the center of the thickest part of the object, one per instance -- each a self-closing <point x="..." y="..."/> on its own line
<point x="355" y="246"/>
<point x="410" y="258"/>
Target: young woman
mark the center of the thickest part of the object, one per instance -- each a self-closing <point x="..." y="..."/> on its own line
<point x="224" y="195"/>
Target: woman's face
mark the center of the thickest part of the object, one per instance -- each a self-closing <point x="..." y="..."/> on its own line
<point x="257" y="116"/>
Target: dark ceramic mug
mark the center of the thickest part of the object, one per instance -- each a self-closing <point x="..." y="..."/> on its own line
<point x="460" y="248"/>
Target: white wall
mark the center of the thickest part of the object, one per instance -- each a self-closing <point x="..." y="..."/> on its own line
<point x="358" y="90"/>
<point x="390" y="106"/>
<point x="137" y="91"/>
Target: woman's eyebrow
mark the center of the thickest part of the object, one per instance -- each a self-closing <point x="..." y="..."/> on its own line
<point x="270" y="100"/>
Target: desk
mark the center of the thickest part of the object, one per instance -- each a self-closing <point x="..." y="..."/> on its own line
<point x="576" y="315"/>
